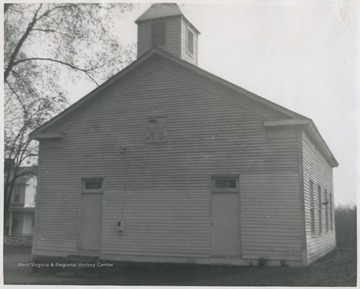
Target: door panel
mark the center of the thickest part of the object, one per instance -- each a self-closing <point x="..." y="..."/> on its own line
<point x="90" y="221"/>
<point x="225" y="225"/>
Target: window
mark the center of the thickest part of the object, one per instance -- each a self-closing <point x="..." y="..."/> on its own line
<point x="15" y="222"/>
<point x="17" y="198"/>
<point x="312" y="211"/>
<point x="327" y="211"/>
<point x="320" y="210"/>
<point x="190" y="41"/>
<point x="158" y="34"/>
<point x="225" y="184"/>
<point x="92" y="184"/>
<point x="17" y="189"/>
<point x="331" y="213"/>
<point x="156" y="129"/>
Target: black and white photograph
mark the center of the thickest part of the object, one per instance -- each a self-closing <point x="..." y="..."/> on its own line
<point x="190" y="143"/>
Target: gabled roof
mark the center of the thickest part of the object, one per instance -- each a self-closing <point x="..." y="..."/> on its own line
<point x="291" y="118"/>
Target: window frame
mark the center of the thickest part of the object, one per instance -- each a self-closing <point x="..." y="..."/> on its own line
<point x="320" y="210"/>
<point x="331" y="212"/>
<point x="312" y="208"/>
<point x="189" y="30"/>
<point x="327" y="211"/>
<point x="214" y="189"/>
<point x="94" y="191"/>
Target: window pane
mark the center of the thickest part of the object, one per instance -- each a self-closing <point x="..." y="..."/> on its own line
<point x="320" y="210"/>
<point x="190" y="42"/>
<point x="331" y="213"/>
<point x="158" y="34"/>
<point x="93" y="185"/>
<point x="225" y="183"/>
<point x="311" y="194"/>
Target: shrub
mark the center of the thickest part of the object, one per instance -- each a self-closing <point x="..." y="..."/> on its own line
<point x="262" y="262"/>
<point x="345" y="225"/>
<point x="283" y="263"/>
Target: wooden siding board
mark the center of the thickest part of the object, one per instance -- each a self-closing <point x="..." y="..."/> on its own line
<point x="144" y="38"/>
<point x="162" y="190"/>
<point x="316" y="169"/>
<point x="270" y="223"/>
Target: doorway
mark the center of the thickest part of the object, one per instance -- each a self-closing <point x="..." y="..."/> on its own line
<point x="225" y="217"/>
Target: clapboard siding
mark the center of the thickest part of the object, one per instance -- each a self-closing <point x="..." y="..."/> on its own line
<point x="172" y="36"/>
<point x="317" y="170"/>
<point x="144" y="38"/>
<point x="56" y="220"/>
<point x="270" y="216"/>
<point x="161" y="191"/>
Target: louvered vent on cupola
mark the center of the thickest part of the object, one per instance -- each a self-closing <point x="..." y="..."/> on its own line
<point x="164" y="26"/>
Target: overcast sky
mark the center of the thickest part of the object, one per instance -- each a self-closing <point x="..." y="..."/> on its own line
<point x="299" y="54"/>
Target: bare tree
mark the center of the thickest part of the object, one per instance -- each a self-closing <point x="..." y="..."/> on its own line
<point x="45" y="44"/>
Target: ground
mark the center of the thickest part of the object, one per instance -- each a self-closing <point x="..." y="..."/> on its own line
<point x="336" y="269"/>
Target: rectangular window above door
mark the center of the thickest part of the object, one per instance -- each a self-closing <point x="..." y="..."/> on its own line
<point x="224" y="184"/>
<point x="89" y="185"/>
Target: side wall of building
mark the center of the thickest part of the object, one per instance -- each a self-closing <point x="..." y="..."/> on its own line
<point x="162" y="191"/>
<point x="319" y="205"/>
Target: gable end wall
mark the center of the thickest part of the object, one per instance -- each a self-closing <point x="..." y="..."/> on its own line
<point x="162" y="191"/>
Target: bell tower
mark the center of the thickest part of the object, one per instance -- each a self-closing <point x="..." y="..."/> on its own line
<point x="164" y="26"/>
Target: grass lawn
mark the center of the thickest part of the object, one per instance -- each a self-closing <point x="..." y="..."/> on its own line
<point x="336" y="269"/>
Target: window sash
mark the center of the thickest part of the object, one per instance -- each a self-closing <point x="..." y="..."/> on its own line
<point x="190" y="41"/>
<point x="92" y="185"/>
<point x="327" y="211"/>
<point x="225" y="184"/>
<point x="331" y="213"/>
<point x="320" y="209"/>
<point x="312" y="216"/>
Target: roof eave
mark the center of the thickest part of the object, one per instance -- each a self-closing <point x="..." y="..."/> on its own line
<point x="38" y="133"/>
<point x="178" y="15"/>
<point x="309" y="127"/>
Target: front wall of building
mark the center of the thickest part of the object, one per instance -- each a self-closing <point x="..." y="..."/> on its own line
<point x="161" y="192"/>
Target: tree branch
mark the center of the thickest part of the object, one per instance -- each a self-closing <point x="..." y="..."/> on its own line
<point x="17" y="96"/>
<point x="44" y="30"/>
<point x="86" y="71"/>
<point x="20" y="44"/>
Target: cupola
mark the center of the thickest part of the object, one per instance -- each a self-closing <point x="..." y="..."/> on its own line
<point x="164" y="26"/>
